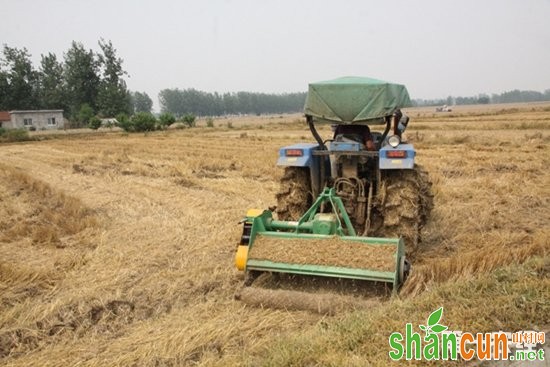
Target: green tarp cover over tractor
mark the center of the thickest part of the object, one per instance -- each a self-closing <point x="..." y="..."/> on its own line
<point x="354" y="100"/>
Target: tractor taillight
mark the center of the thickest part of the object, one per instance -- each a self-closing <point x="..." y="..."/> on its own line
<point x="294" y="152"/>
<point x="396" y="154"/>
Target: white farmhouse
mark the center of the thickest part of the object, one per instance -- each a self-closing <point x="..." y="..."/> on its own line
<point x="33" y="119"/>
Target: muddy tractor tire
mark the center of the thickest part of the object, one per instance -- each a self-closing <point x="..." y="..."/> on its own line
<point x="404" y="202"/>
<point x="294" y="197"/>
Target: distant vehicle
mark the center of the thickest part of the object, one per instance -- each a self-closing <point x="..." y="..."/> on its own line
<point x="445" y="108"/>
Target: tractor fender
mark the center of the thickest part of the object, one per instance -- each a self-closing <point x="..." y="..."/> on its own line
<point x="301" y="155"/>
<point x="289" y="157"/>
<point x="388" y="160"/>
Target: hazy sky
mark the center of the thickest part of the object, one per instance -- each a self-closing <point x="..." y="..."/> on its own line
<point x="435" y="47"/>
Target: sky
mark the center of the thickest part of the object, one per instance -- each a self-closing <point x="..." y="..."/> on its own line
<point x="436" y="48"/>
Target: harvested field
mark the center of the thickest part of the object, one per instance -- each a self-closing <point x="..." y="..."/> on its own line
<point x="324" y="303"/>
<point x="120" y="247"/>
<point x="330" y="252"/>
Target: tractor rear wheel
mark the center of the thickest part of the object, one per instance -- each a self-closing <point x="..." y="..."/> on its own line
<point x="294" y="197"/>
<point x="404" y="202"/>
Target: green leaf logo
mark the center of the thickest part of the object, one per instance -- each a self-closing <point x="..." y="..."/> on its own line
<point x="435" y="317"/>
<point x="433" y="323"/>
<point x="439" y="328"/>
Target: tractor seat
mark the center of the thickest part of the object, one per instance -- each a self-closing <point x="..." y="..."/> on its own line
<point x="376" y="137"/>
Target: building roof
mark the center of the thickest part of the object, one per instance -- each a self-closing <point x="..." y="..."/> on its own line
<point x="35" y="111"/>
<point x="5" y="116"/>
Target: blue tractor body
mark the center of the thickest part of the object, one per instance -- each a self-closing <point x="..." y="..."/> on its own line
<point x="298" y="155"/>
<point x="401" y="157"/>
<point x="346" y="163"/>
<point x="374" y="173"/>
<point x="387" y="158"/>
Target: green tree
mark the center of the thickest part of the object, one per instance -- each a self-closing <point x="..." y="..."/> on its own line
<point x="171" y="100"/>
<point x="166" y="119"/>
<point x="113" y="96"/>
<point x="4" y="90"/>
<point x="143" y="121"/>
<point x="85" y="114"/>
<point x="122" y="117"/>
<point x="483" y="99"/>
<point x="52" y="84"/>
<point x="94" y="123"/>
<point x="81" y="77"/>
<point x="141" y="102"/>
<point x="189" y="119"/>
<point x="124" y="122"/>
<point x="181" y="102"/>
<point x="18" y="79"/>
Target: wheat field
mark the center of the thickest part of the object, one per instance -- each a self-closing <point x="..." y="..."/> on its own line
<point x="117" y="249"/>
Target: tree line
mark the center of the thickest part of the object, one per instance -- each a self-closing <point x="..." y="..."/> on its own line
<point x="513" y="96"/>
<point x="85" y="83"/>
<point x="180" y="102"/>
<point x="82" y="81"/>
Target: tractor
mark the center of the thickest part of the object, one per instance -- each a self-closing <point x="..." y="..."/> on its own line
<point x="351" y="205"/>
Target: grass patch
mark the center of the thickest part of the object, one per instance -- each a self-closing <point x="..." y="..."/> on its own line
<point x="14" y="135"/>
